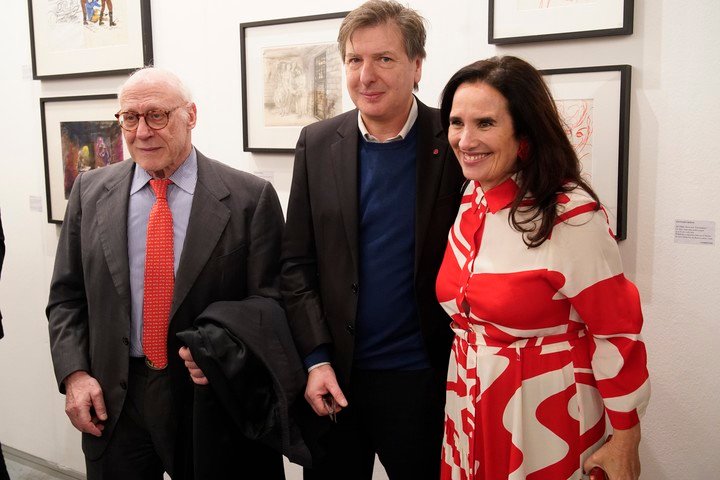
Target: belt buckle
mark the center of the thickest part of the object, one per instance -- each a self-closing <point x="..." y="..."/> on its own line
<point x="152" y="366"/>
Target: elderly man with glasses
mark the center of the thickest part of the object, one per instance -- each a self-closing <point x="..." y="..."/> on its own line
<point x="146" y="245"/>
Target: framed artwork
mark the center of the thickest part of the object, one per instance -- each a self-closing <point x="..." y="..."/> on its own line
<point x="594" y="104"/>
<point x="79" y="134"/>
<point x="292" y="75"/>
<point x="78" y="38"/>
<point x="521" y="21"/>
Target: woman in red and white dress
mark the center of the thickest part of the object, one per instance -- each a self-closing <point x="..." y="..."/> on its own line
<point x="547" y="360"/>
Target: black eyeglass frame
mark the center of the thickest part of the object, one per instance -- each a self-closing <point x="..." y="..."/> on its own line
<point x="167" y="113"/>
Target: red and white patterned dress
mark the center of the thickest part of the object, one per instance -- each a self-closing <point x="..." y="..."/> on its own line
<point x="547" y="341"/>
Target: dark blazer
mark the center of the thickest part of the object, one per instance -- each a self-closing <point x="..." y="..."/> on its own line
<point x="231" y="251"/>
<point x="247" y="353"/>
<point x="2" y="258"/>
<point x="320" y="276"/>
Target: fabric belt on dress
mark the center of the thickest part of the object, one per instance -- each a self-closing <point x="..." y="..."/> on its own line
<point x="474" y="335"/>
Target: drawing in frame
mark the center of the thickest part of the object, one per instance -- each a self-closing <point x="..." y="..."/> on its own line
<point x="292" y="75"/>
<point x="81" y="38"/>
<point x="79" y="134"/>
<point x="594" y="105"/>
<point x="522" y="21"/>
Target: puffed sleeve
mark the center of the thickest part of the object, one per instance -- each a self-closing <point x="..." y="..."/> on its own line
<point x="587" y="255"/>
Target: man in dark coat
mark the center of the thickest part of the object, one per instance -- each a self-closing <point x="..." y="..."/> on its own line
<point x="374" y="193"/>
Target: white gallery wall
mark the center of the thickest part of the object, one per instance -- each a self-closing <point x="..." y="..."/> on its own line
<point x="674" y="174"/>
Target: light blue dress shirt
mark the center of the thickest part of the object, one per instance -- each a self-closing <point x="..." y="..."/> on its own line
<point x="142" y="198"/>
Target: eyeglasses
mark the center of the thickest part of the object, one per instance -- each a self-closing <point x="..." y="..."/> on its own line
<point x="155" y="119"/>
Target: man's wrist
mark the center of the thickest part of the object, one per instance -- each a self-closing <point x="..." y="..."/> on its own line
<point x="74" y="375"/>
<point x="313" y="367"/>
<point x="320" y="355"/>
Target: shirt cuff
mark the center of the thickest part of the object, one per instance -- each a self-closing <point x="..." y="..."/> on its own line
<point x="317" y="365"/>
<point x="321" y="355"/>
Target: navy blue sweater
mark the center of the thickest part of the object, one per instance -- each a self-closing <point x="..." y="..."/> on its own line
<point x="387" y="330"/>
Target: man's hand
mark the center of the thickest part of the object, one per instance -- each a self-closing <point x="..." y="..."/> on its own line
<point x="321" y="381"/>
<point x="197" y="375"/>
<point x="84" y="403"/>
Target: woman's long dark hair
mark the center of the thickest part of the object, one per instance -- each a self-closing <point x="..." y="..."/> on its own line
<point x="551" y="167"/>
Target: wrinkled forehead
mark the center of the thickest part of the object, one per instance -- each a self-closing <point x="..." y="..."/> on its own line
<point x="149" y="93"/>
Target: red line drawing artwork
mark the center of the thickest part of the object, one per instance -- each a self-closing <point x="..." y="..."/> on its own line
<point x="577" y="117"/>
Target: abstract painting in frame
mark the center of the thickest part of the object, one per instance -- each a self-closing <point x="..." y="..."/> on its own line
<point x="292" y="75"/>
<point x="79" y="134"/>
<point x="79" y="38"/>
<point x="521" y="21"/>
<point x="594" y="105"/>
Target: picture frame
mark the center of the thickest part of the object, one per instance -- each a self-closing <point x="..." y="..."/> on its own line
<point x="523" y="21"/>
<point x="79" y="133"/>
<point x="594" y="103"/>
<point x="292" y="75"/>
<point x="106" y="37"/>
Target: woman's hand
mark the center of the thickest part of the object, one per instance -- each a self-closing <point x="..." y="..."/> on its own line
<point x="619" y="457"/>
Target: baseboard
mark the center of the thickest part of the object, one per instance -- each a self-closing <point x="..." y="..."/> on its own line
<point x="41" y="464"/>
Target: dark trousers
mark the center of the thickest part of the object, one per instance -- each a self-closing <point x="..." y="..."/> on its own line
<point x="396" y="414"/>
<point x="143" y="443"/>
<point x="3" y="467"/>
<point x="222" y="452"/>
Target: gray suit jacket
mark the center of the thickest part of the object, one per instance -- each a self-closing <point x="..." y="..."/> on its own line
<point x="320" y="277"/>
<point x="231" y="251"/>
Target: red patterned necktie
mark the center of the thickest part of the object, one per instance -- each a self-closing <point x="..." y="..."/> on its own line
<point x="159" y="277"/>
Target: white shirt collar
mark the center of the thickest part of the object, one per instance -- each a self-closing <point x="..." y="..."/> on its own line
<point x="412" y="116"/>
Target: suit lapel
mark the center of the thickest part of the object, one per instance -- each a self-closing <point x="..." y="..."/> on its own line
<point x="208" y="218"/>
<point x="112" y="210"/>
<point x="431" y="154"/>
<point x="344" y="158"/>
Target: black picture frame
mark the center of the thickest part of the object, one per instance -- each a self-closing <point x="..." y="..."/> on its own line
<point x="79" y="133"/>
<point x="608" y="87"/>
<point x="262" y="46"/>
<point x="508" y="23"/>
<point x="89" y="49"/>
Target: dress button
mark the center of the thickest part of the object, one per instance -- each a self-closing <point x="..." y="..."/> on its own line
<point x="350" y="328"/>
<point x="125" y="341"/>
<point x="355" y="288"/>
<point x="123" y="385"/>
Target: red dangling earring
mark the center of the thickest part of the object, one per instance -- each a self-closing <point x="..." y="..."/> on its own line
<point x="523" y="152"/>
